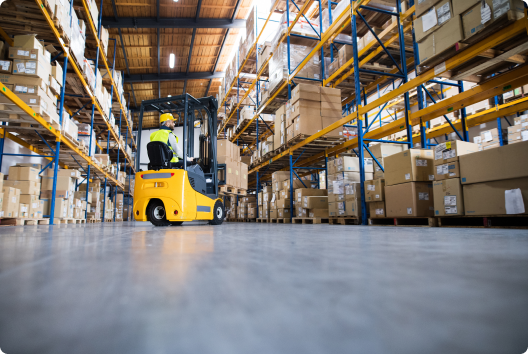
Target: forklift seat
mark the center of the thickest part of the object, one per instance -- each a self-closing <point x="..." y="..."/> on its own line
<point x="159" y="156"/>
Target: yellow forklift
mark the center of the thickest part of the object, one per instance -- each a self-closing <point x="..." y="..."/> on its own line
<point x="168" y="193"/>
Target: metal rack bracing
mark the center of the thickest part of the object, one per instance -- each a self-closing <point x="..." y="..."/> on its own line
<point x="487" y="59"/>
<point x="38" y="137"/>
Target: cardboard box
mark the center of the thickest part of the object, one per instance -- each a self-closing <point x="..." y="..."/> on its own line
<point x="304" y="108"/>
<point x="283" y="213"/>
<point x="383" y="150"/>
<point x="336" y="209"/>
<point x="25" y="187"/>
<point x="6" y="66"/>
<point x="412" y="199"/>
<point x="23" y="210"/>
<point x="447" y="170"/>
<point x="451" y="150"/>
<point x="318" y="213"/>
<point x="353" y="208"/>
<point x="303" y="192"/>
<point x="328" y="94"/>
<point x="448" y="197"/>
<point x="315" y="202"/>
<point x="224" y="148"/>
<point x="505" y="162"/>
<point x="423" y="6"/>
<point x="432" y="19"/>
<point x="59" y="194"/>
<point x="415" y="165"/>
<point x="304" y="182"/>
<point x="305" y="92"/>
<point x="376" y="210"/>
<point x="443" y="38"/>
<point x="17" y="173"/>
<point x="327" y="121"/>
<point x="273" y="214"/>
<point x="62" y="208"/>
<point x="308" y="125"/>
<point x="352" y="192"/>
<point x="497" y="197"/>
<point x="243" y="176"/>
<point x="378" y="172"/>
<point x="63" y="183"/>
<point x="351" y="164"/>
<point x="64" y="173"/>
<point x="375" y="190"/>
<point x="11" y="200"/>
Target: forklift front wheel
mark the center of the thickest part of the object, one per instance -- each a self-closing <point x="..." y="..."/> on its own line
<point x="218" y="213"/>
<point x="156" y="213"/>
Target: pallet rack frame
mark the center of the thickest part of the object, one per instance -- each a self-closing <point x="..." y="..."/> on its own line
<point x="359" y="110"/>
<point x="54" y="156"/>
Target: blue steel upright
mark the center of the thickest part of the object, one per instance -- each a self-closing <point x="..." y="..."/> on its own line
<point x="357" y="85"/>
<point x="57" y="144"/>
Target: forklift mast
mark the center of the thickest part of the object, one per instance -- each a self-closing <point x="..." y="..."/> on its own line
<point x="190" y="111"/>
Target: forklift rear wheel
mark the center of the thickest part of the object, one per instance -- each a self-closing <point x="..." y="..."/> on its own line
<point x="156" y="213"/>
<point x="218" y="213"/>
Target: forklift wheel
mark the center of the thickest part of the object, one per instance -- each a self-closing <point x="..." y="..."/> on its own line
<point x="218" y="214"/>
<point x="156" y="213"/>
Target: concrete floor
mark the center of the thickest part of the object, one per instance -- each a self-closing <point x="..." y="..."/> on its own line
<point x="262" y="288"/>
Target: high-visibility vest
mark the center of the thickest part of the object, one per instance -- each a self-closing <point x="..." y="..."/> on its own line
<point x="163" y="136"/>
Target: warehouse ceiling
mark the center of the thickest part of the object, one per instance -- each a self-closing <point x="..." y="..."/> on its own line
<point x="147" y="32"/>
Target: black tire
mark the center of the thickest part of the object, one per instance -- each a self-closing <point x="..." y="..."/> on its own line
<point x="218" y="214"/>
<point x="176" y="223"/>
<point x="156" y="213"/>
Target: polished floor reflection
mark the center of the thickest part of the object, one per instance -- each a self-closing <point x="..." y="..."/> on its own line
<point x="262" y="288"/>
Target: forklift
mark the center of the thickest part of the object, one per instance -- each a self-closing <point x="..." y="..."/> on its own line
<point x="167" y="195"/>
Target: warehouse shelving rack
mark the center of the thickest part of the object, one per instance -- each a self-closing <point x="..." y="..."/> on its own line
<point x="357" y="110"/>
<point x="54" y="154"/>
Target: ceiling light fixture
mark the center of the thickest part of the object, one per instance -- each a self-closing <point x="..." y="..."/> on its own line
<point x="172" y="59"/>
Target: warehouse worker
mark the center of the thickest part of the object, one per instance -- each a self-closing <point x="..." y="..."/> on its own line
<point x="165" y="135"/>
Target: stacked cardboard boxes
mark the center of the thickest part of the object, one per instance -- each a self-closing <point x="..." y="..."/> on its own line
<point x="440" y="24"/>
<point x="281" y="193"/>
<point x="490" y="139"/>
<point x="65" y="202"/>
<point x="519" y="131"/>
<point x="236" y="173"/>
<point x="495" y="181"/>
<point x="447" y="189"/>
<point x="408" y="183"/>
<point x="26" y="180"/>
<point x="311" y="203"/>
<point x="344" y="193"/>
<point x="247" y="207"/>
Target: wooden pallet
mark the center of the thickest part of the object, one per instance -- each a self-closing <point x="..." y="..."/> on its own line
<point x="109" y="220"/>
<point x="22" y="221"/>
<point x="344" y="221"/>
<point x="93" y="221"/>
<point x="492" y="221"/>
<point x="70" y="221"/>
<point x="280" y="221"/>
<point x="404" y="221"/>
<point x="229" y="190"/>
<point x="310" y="220"/>
<point x="265" y="220"/>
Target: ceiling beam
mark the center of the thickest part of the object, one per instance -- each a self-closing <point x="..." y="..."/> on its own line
<point x="208" y="87"/>
<point x="190" y="51"/>
<point x="140" y="22"/>
<point x="174" y="76"/>
<point x="115" y="10"/>
<point x="198" y="8"/>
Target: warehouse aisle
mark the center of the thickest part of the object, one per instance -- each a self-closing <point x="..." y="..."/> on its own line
<point x="262" y="288"/>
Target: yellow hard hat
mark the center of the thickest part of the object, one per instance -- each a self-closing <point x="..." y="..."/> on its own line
<point x="165" y="117"/>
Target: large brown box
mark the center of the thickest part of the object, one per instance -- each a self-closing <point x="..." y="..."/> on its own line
<point x="224" y="148"/>
<point x="303" y="192"/>
<point x="327" y="121"/>
<point x="424" y="5"/>
<point x="377" y="209"/>
<point x="448" y="197"/>
<point x="329" y="94"/>
<point x="308" y="125"/>
<point x="318" y="213"/>
<point x="26" y="187"/>
<point x="451" y="150"/>
<point x="283" y="203"/>
<point x="10" y="205"/>
<point x="243" y="175"/>
<point x="315" y="202"/>
<point x="505" y="162"/>
<point x="440" y="40"/>
<point x="305" y="108"/>
<point x="489" y="198"/>
<point x="443" y="12"/>
<point x="447" y="170"/>
<point x="17" y="173"/>
<point x="375" y="190"/>
<point x="409" y="199"/>
<point x="383" y="150"/>
<point x="305" y="92"/>
<point x="415" y="165"/>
